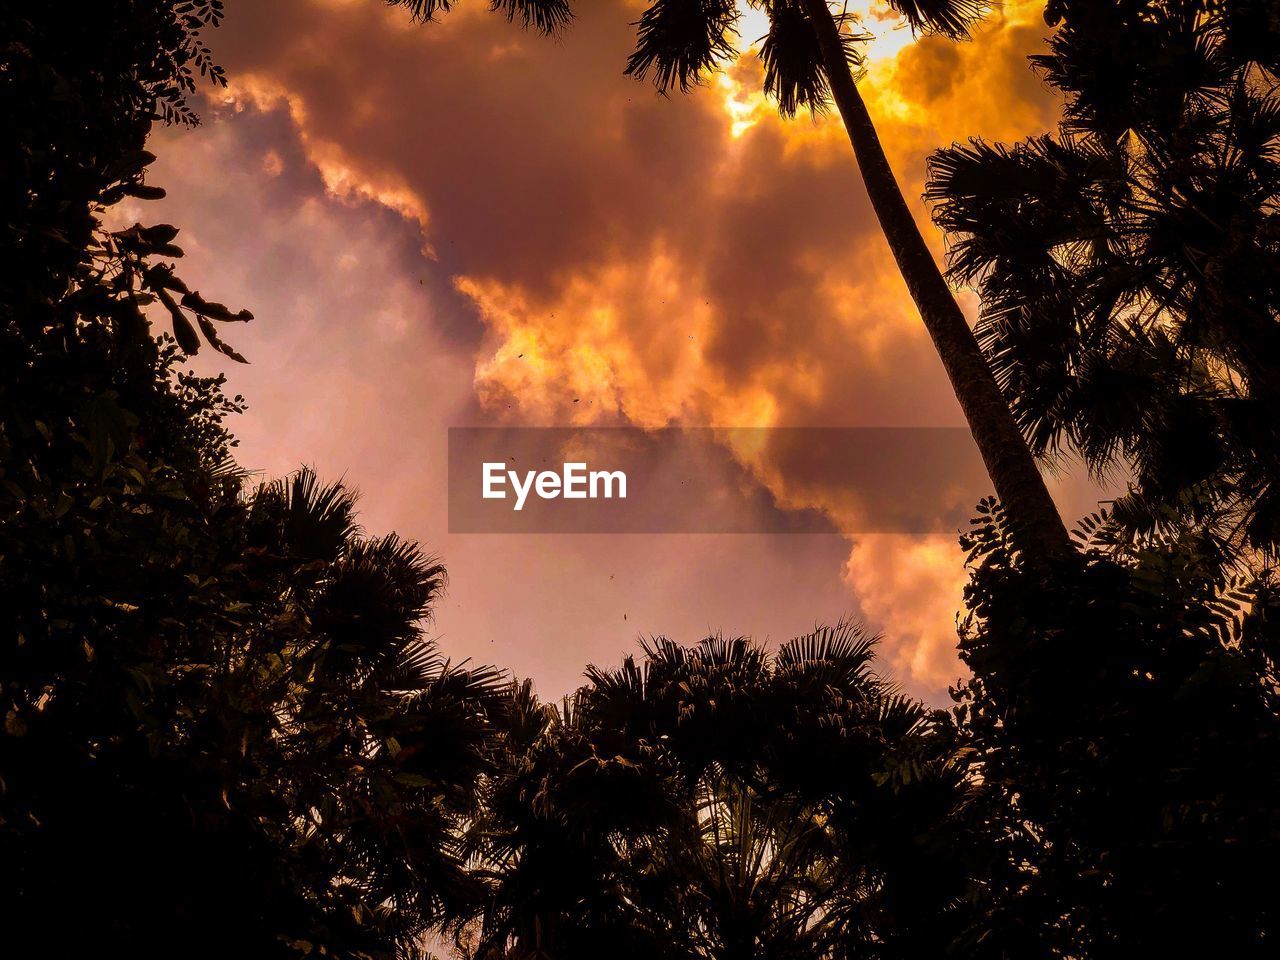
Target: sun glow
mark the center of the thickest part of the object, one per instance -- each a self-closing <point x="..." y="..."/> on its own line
<point x="745" y="104"/>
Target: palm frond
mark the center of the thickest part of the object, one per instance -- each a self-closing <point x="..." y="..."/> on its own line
<point x="627" y="682"/>
<point x="315" y="520"/>
<point x="722" y="651"/>
<point x="423" y="11"/>
<point x="845" y="643"/>
<point x="948" y="18"/>
<point x="418" y="663"/>
<point x="545" y="16"/>
<point x="679" y="42"/>
<point x="370" y="604"/>
<point x="526" y="718"/>
<point x="794" y="74"/>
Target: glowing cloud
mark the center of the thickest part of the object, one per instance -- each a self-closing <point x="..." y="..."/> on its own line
<point x="629" y="258"/>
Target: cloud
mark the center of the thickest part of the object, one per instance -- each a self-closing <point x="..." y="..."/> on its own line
<point x="913" y="584"/>
<point x="688" y="259"/>
<point x="363" y="354"/>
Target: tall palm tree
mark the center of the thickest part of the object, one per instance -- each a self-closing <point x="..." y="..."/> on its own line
<point x="809" y="57"/>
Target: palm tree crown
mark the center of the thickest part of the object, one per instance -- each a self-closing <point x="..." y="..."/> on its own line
<point x="718" y="801"/>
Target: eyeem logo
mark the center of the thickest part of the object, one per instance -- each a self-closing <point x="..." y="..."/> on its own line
<point x="574" y="482"/>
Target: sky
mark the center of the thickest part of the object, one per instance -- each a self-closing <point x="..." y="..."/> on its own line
<point x="463" y="224"/>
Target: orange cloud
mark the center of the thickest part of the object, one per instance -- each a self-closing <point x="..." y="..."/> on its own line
<point x="631" y="258"/>
<point x="914" y="586"/>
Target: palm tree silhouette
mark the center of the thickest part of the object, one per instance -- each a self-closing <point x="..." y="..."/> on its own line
<point x="719" y="801"/>
<point x="382" y="740"/>
<point x="809" y="57"/>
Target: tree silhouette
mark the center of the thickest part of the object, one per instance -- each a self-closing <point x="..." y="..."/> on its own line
<point x="81" y="95"/>
<point x="719" y="801"/>
<point x="809" y="56"/>
<point x="1127" y="266"/>
<point x="1127" y="709"/>
<point x="1123" y="711"/>
<point x="222" y="728"/>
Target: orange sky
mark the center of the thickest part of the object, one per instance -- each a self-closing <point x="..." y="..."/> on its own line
<point x="408" y="209"/>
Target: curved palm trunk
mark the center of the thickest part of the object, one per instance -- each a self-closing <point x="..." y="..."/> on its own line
<point x="1009" y="463"/>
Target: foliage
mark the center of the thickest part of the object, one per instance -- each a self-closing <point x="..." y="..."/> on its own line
<point x="1124" y="711"/>
<point x="680" y="43"/>
<point x="719" y="801"/>
<point x="1127" y="265"/>
<point x="1123" y="707"/>
<point x="792" y="60"/>
<point x="81" y="94"/>
<point x="224" y="731"/>
<point x="545" y="16"/>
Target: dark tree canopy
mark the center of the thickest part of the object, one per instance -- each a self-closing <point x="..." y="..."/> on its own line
<point x="80" y="94"/>
<point x="719" y="801"/>
<point x="1123" y="712"/>
<point x="679" y="44"/>
<point x="1128" y="265"/>
<point x="1123" y="705"/>
<point x="224" y="731"/>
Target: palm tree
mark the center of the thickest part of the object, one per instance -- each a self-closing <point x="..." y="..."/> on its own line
<point x="558" y="841"/>
<point x="808" y="57"/>
<point x="1127" y="266"/>
<point x="716" y="801"/>
<point x="383" y="741"/>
